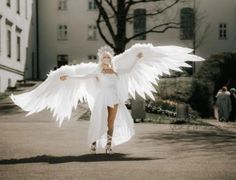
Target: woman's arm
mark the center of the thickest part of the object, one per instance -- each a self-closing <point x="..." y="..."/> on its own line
<point x="64" y="77"/>
<point x="127" y="70"/>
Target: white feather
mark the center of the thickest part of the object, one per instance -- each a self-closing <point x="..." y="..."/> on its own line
<point x="60" y="97"/>
<point x="156" y="61"/>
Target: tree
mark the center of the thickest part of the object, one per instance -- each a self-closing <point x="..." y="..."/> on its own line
<point x="194" y="26"/>
<point x="217" y="71"/>
<point x="116" y="14"/>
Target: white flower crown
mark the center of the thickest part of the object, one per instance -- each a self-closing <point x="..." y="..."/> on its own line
<point x="103" y="49"/>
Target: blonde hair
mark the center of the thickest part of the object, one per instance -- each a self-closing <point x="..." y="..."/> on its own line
<point x="104" y="49"/>
<point x="102" y="64"/>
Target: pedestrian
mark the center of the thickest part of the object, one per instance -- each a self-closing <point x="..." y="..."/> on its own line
<point x="216" y="111"/>
<point x="223" y="104"/>
<point x="233" y="103"/>
<point x="221" y="90"/>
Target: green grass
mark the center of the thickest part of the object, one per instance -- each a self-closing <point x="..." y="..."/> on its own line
<point x="3" y="96"/>
<point x="163" y="119"/>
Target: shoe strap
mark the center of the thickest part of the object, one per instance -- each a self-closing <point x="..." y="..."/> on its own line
<point x="109" y="138"/>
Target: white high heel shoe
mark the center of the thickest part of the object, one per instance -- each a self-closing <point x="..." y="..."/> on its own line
<point x="108" y="145"/>
<point x="93" y="148"/>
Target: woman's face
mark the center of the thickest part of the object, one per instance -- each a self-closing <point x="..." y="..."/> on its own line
<point x="106" y="58"/>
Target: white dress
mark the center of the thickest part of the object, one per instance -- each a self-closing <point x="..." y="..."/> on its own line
<point x="108" y="95"/>
<point x="134" y="76"/>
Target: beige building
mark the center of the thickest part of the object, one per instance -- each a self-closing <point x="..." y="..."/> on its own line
<point x="15" y="22"/>
<point x="68" y="32"/>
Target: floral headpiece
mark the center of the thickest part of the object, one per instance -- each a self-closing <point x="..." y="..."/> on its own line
<point x="103" y="49"/>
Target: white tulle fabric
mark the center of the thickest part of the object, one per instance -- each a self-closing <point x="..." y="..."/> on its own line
<point x="107" y="95"/>
<point x="87" y="83"/>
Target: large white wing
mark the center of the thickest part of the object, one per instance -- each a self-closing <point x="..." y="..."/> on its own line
<point x="139" y="75"/>
<point x="60" y="97"/>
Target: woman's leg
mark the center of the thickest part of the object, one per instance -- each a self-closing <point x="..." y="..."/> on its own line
<point x="110" y="122"/>
<point x="111" y="118"/>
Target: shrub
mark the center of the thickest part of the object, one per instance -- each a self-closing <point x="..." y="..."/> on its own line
<point x="217" y="71"/>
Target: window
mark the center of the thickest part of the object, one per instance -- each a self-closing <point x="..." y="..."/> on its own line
<point x="9" y="25"/>
<point x="18" y="44"/>
<point x="9" y="3"/>
<point x="62" y="5"/>
<point x="140" y="23"/>
<point x="18" y="6"/>
<point x="92" y="5"/>
<point x="62" y="59"/>
<point x="92" y="57"/>
<point x="222" y="31"/>
<point x="62" y="32"/>
<point x="92" y="32"/>
<point x="8" y="43"/>
<point x="187" y="23"/>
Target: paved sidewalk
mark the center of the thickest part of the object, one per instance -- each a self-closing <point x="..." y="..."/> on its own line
<point x="34" y="147"/>
<point x="228" y="126"/>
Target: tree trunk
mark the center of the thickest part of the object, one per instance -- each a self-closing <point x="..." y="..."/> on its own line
<point x="108" y="10"/>
<point x="120" y="40"/>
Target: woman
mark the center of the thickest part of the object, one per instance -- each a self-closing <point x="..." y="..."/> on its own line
<point x="108" y="97"/>
<point x="106" y="86"/>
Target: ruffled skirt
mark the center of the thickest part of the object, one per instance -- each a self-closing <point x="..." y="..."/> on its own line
<point x="123" y="124"/>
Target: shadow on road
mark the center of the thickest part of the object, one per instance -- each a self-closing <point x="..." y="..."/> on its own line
<point x="83" y="158"/>
<point x="214" y="141"/>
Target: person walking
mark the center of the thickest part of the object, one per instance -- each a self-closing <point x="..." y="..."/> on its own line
<point x="223" y="104"/>
<point x="233" y="103"/>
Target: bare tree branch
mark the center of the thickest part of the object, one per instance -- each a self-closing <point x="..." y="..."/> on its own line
<point x="110" y="3"/>
<point x="205" y="33"/>
<point x="154" y="29"/>
<point x="101" y="32"/>
<point x="132" y="2"/>
<point x="104" y="15"/>
<point x="201" y="30"/>
<point x="110" y="17"/>
<point x="157" y="12"/>
<point x="119" y="11"/>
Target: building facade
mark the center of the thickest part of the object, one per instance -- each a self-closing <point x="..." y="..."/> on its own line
<point x="65" y="32"/>
<point x="15" y="22"/>
<point x="68" y="32"/>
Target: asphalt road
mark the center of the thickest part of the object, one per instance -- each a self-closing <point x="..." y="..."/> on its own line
<point x="35" y="147"/>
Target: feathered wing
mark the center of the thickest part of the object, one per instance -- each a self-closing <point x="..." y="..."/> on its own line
<point x="60" y="97"/>
<point x="139" y="75"/>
